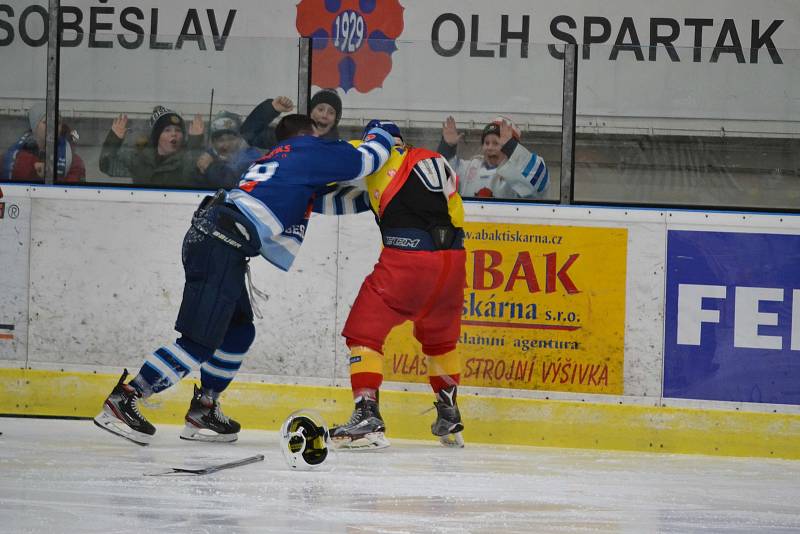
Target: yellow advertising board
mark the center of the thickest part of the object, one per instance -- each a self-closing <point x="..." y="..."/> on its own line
<point x="544" y="309"/>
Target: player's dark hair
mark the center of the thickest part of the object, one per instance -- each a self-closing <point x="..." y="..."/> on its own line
<point x="293" y="125"/>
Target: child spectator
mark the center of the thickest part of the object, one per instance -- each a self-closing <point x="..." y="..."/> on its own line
<point x="24" y="161"/>
<point x="164" y="158"/>
<point x="503" y="169"/>
<point x="229" y="155"/>
<point x="325" y="109"/>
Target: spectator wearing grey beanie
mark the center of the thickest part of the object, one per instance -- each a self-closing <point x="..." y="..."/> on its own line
<point x="223" y="162"/>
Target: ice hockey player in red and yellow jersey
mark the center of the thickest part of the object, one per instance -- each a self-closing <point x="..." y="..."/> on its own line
<point x="420" y="277"/>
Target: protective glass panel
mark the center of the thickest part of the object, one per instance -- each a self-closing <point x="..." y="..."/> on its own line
<point x="703" y="127"/>
<point x="23" y="90"/>
<point x="169" y="111"/>
<point x="419" y="84"/>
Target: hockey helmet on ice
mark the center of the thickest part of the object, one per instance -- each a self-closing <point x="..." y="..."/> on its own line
<point x="304" y="440"/>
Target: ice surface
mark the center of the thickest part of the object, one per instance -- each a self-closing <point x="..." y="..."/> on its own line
<point x="70" y="476"/>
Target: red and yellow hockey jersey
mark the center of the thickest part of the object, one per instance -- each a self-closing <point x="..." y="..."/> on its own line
<point x="416" y="187"/>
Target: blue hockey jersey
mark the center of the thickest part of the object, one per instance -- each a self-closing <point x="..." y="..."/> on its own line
<point x="278" y="191"/>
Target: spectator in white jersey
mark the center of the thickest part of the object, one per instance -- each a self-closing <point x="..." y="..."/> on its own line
<point x="503" y="169"/>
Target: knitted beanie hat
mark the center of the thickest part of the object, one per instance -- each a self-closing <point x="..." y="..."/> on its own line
<point x="160" y="119"/>
<point x="225" y="122"/>
<point x="327" y="96"/>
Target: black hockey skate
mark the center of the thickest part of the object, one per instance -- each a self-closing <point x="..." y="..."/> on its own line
<point x="448" y="425"/>
<point x="364" y="430"/>
<point x="121" y="415"/>
<point x="206" y="422"/>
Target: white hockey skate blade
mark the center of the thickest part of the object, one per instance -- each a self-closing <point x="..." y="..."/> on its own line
<point x="372" y="441"/>
<point x="193" y="433"/>
<point x="110" y="422"/>
<point x="455" y="441"/>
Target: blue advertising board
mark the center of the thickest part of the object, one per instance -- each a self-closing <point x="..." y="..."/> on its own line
<point x="732" y="325"/>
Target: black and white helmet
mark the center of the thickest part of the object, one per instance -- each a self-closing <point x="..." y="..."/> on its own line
<point x="304" y="440"/>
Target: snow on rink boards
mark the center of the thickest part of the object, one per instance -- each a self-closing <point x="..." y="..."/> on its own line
<point x="69" y="476"/>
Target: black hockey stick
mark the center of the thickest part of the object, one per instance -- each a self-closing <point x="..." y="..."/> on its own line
<point x="210" y="469"/>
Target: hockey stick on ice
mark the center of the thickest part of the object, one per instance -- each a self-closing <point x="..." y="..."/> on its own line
<point x="210" y="469"/>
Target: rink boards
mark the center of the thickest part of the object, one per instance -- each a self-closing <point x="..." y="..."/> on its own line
<point x="627" y="329"/>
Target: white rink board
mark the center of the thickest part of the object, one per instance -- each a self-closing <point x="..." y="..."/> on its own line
<point x="106" y="281"/>
<point x="15" y="244"/>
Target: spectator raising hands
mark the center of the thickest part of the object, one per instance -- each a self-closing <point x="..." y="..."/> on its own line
<point x="168" y="157"/>
<point x="503" y="168"/>
<point x="325" y="109"/>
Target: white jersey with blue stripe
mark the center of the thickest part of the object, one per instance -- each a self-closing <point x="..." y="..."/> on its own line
<point x="526" y="173"/>
<point x="523" y="175"/>
<point x="277" y="192"/>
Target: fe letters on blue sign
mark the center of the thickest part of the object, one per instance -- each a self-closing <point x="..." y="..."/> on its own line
<point x="733" y="317"/>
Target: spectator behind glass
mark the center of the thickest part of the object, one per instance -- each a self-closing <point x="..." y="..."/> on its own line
<point x="24" y="161"/>
<point x="325" y="109"/>
<point x="229" y="155"/>
<point x="503" y="169"/>
<point x="163" y="158"/>
<point x="255" y="129"/>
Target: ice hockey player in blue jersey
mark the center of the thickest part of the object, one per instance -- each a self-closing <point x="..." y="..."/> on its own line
<point x="266" y="215"/>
